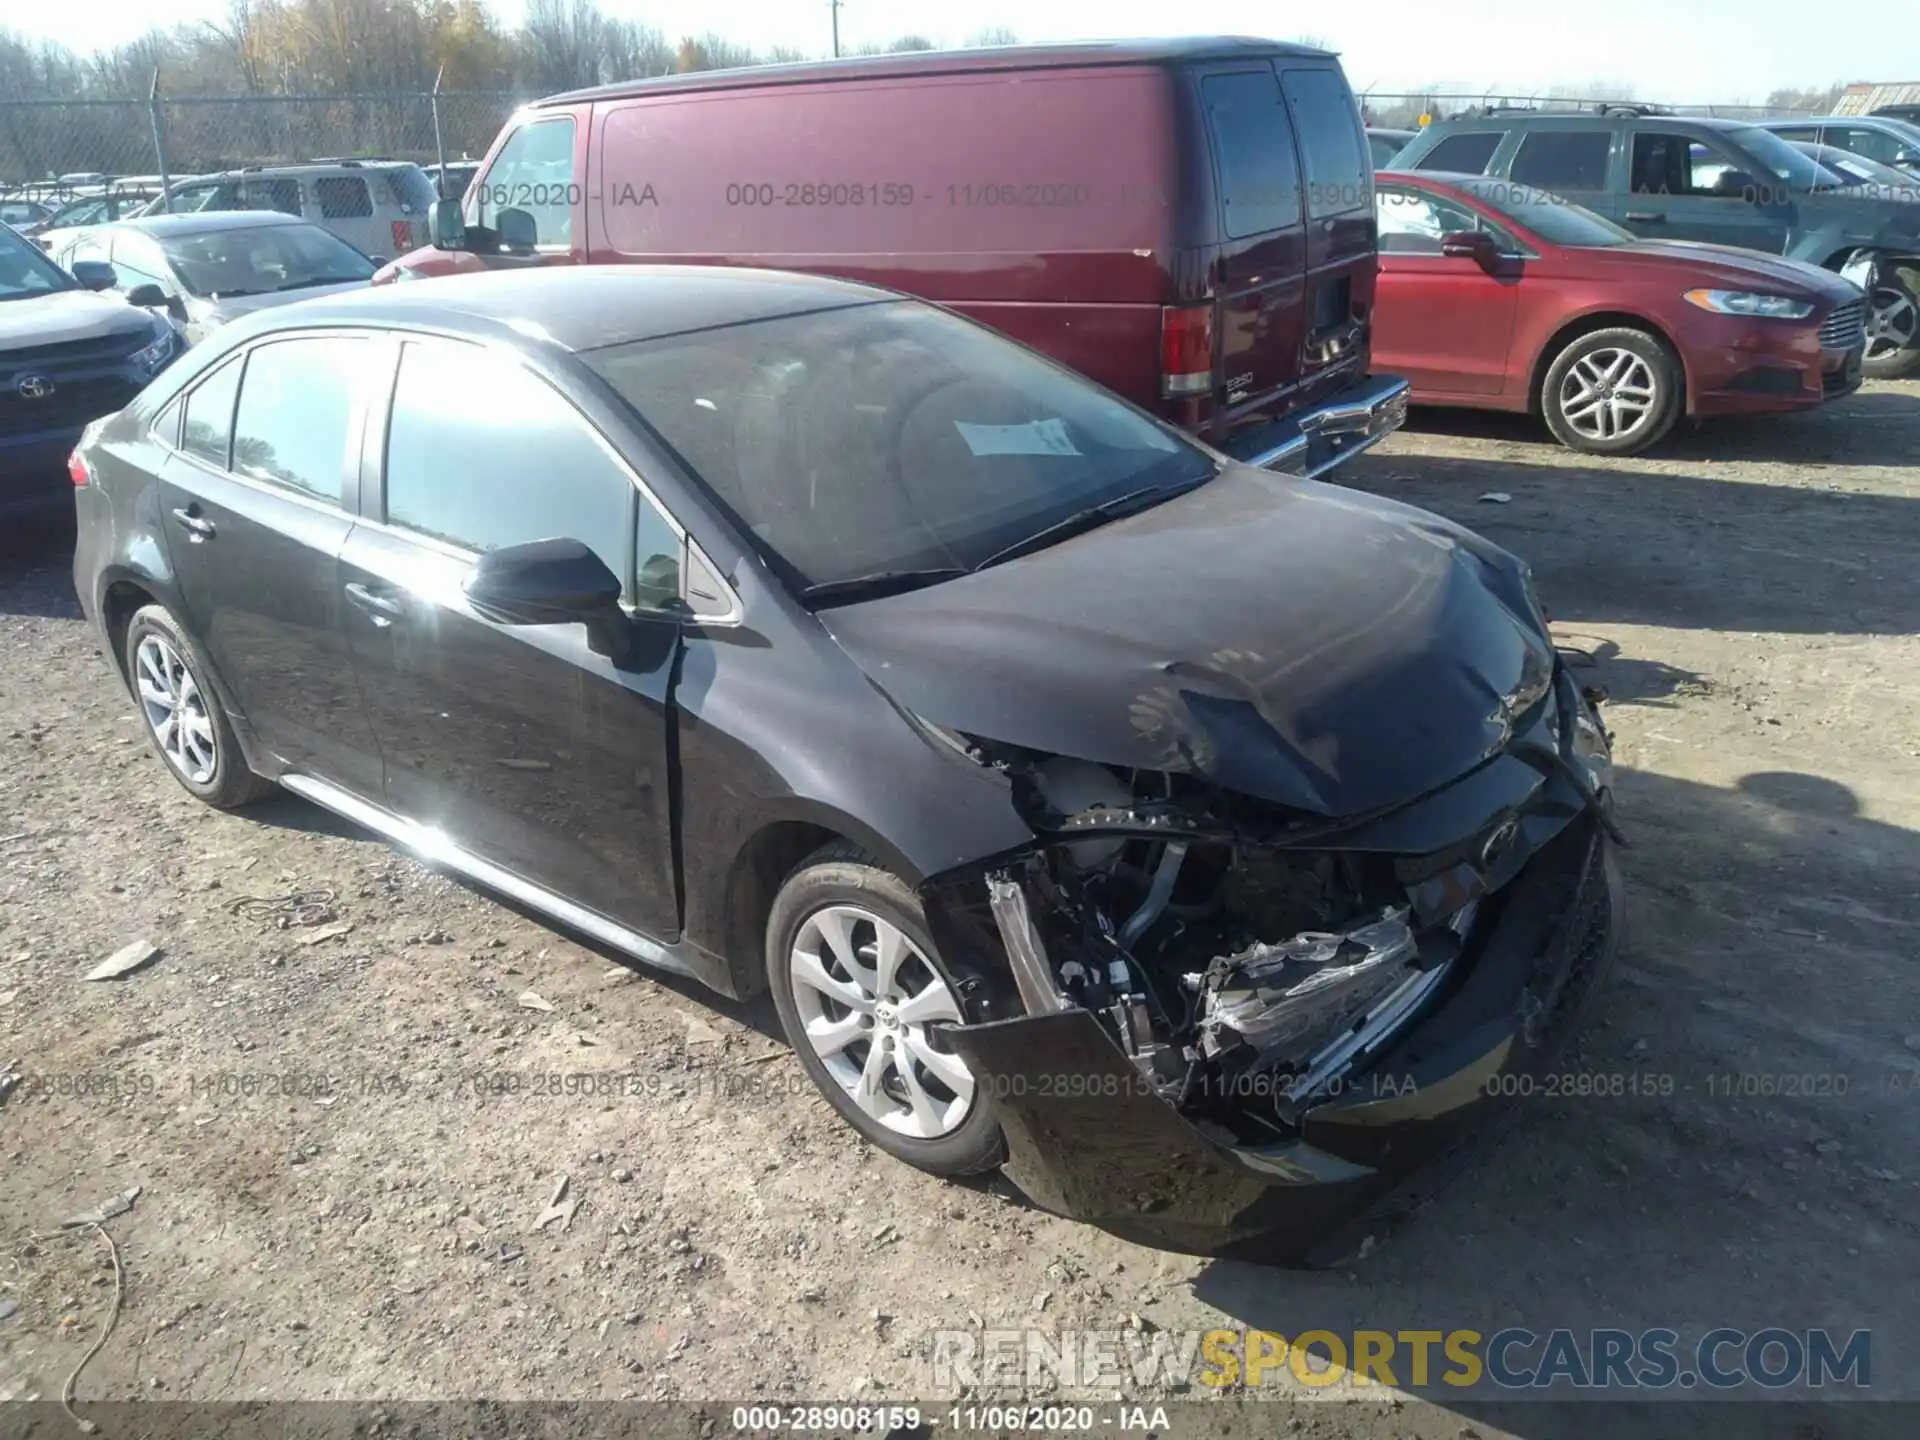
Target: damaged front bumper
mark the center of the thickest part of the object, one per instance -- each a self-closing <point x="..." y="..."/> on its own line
<point x="1430" y="1072"/>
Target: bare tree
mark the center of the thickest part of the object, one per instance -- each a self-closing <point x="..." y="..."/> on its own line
<point x="991" y="36"/>
<point x="908" y="43"/>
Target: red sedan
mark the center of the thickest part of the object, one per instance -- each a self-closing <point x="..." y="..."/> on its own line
<point x="1504" y="297"/>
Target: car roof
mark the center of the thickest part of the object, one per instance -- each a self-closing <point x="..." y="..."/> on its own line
<point x="1586" y="117"/>
<point x="1868" y="120"/>
<point x="203" y="222"/>
<point x="587" y="307"/>
<point x="941" y="62"/>
<point x="299" y="168"/>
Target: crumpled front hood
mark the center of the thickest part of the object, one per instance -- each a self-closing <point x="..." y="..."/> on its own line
<point x="1312" y="646"/>
<point x="67" y="315"/>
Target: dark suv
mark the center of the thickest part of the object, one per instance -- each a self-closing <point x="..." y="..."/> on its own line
<point x="1674" y="177"/>
<point x="67" y="356"/>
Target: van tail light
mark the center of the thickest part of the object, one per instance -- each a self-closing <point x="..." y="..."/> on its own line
<point x="77" y="470"/>
<point x="402" y="237"/>
<point x="1186" y="351"/>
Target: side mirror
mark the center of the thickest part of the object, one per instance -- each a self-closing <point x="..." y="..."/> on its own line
<point x="148" y="297"/>
<point x="446" y="226"/>
<point x="544" y="582"/>
<point x="1474" y="245"/>
<point x="94" y="274"/>
<point x="378" y="260"/>
<point x="517" y="230"/>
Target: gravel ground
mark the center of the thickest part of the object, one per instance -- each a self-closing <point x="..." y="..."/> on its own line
<point x="343" y="1163"/>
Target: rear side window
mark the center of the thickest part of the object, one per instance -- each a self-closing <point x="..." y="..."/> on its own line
<point x="410" y="189"/>
<point x="342" y="197"/>
<point x="295" y="412"/>
<point x="281" y="195"/>
<point x="1797" y="132"/>
<point x="209" y="428"/>
<point x="1332" y="144"/>
<point x="1252" y="153"/>
<point x="482" y="453"/>
<point x="1563" y="159"/>
<point x="1465" y="154"/>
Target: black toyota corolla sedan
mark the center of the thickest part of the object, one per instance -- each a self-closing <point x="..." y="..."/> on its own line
<point x="1219" y="849"/>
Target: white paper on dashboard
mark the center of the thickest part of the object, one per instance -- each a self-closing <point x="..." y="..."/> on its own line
<point x="1037" y="437"/>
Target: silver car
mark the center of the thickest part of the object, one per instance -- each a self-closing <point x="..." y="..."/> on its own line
<point x="204" y="270"/>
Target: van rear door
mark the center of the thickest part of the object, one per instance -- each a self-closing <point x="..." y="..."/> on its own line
<point x="1342" y="236"/>
<point x="1259" y="268"/>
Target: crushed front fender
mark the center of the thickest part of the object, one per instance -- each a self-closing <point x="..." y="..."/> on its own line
<point x="1088" y="1139"/>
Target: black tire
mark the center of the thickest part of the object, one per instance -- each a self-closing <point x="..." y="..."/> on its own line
<point x="231" y="784"/>
<point x="843" y="874"/>
<point x="1905" y="361"/>
<point x="1668" y="403"/>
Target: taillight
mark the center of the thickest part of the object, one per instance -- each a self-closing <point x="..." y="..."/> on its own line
<point x="1186" y="350"/>
<point x="77" y="469"/>
<point x="402" y="236"/>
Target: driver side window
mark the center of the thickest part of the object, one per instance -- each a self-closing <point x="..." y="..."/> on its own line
<point x="1665" y="163"/>
<point x="1411" y="223"/>
<point x="533" y="173"/>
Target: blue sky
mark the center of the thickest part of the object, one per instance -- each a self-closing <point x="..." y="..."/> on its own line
<point x="1707" y="50"/>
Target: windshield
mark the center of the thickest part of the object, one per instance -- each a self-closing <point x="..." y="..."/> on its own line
<point x="90" y="211"/>
<point x="1782" y="161"/>
<point x="1553" y="219"/>
<point x="891" y="437"/>
<point x="1848" y="170"/>
<point x="260" y="260"/>
<point x="25" y="271"/>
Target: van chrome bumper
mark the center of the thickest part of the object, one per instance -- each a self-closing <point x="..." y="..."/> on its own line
<point x="1317" y="440"/>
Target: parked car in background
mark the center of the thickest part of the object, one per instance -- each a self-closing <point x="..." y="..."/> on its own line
<point x="379" y="207"/>
<point x="1218" y="272"/>
<point x="1385" y="144"/>
<point x="208" y="268"/>
<point x="21" y="214"/>
<point x="67" y="356"/>
<point x="1877" y="137"/>
<point x="103" y="208"/>
<point x="1849" y="169"/>
<point x="1499" y="297"/>
<point x="1669" y="177"/>
<point x="450" y="181"/>
<point x="853" y="653"/>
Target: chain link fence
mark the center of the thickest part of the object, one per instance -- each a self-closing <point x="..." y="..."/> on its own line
<point x="41" y="140"/>
<point x="181" y="135"/>
<point x="1402" y="111"/>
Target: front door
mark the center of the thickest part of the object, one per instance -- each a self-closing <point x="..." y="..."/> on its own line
<point x="1444" y="322"/>
<point x="1688" y="187"/>
<point x="254" y="520"/>
<point x="519" y="743"/>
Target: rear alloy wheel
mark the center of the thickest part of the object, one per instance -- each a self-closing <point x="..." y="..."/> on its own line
<point x="1612" y="392"/>
<point x="184" y="719"/>
<point x="1893" y="332"/>
<point x="861" y="996"/>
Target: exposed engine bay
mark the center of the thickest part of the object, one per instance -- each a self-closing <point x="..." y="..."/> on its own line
<point x="1243" y="971"/>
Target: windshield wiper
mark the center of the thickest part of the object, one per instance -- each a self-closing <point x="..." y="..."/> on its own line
<point x="881" y="582"/>
<point x="1092" y="517"/>
<point x="316" y="280"/>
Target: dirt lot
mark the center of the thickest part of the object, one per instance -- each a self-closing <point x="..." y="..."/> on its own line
<point x="1751" y="599"/>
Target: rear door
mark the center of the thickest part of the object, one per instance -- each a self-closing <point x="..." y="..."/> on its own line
<point x="1341" y="246"/>
<point x="254" y="521"/>
<point x="1260" y="268"/>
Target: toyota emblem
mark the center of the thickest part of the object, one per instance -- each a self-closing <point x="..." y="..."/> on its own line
<point x="34" y="387"/>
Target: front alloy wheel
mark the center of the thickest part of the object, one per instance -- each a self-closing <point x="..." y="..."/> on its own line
<point x="866" y="995"/>
<point x="1616" y="391"/>
<point x="863" y="998"/>
<point x="1893" y="333"/>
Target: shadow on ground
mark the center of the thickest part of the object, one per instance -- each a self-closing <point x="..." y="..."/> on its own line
<point x="1680" y="549"/>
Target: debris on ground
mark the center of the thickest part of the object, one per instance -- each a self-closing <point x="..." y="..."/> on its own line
<point x="119" y="1205"/>
<point x="530" y="1000"/>
<point x="124" y="961"/>
<point x="328" y="932"/>
<point x="1496" y="497"/>
<point x="293" y="909"/>
<point x="558" y="1208"/>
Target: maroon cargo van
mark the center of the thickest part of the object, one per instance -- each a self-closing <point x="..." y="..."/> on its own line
<point x="1189" y="222"/>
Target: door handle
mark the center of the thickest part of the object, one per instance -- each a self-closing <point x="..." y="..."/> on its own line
<point x="1646" y="215"/>
<point x="384" y="609"/>
<point x="197" y="526"/>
